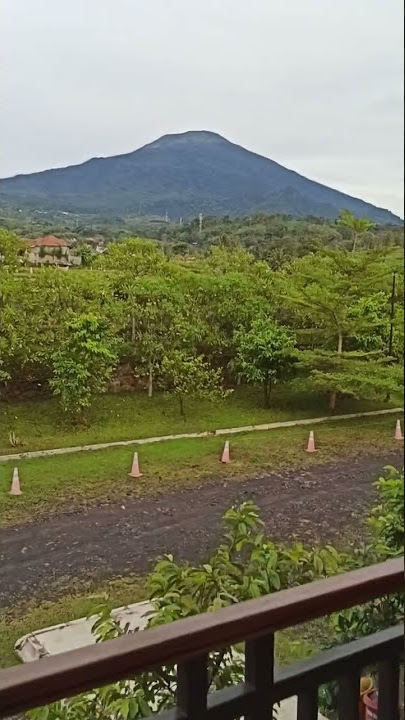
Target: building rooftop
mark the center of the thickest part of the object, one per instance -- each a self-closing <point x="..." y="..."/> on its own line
<point x="48" y="241"/>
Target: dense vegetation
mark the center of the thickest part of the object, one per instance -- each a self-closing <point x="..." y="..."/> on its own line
<point x="183" y="175"/>
<point x="319" y="317"/>
<point x="273" y="238"/>
<point x="195" y="311"/>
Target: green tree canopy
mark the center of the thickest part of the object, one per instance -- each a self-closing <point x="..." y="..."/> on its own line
<point x="135" y="255"/>
<point x="191" y="375"/>
<point x="265" y="354"/>
<point x="11" y="249"/>
<point x="83" y="363"/>
<point x="358" y="226"/>
<point x="336" y="293"/>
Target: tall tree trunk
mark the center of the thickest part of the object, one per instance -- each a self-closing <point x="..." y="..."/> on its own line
<point x="354" y="242"/>
<point x="266" y="390"/>
<point x="150" y="380"/>
<point x="182" y="413"/>
<point x="270" y="391"/>
<point x="133" y="326"/>
<point x="332" y="402"/>
<point x="238" y="380"/>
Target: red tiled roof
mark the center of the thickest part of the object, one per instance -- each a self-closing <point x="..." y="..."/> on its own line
<point x="48" y="241"/>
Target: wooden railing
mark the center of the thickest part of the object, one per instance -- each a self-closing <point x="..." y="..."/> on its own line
<point x="187" y="642"/>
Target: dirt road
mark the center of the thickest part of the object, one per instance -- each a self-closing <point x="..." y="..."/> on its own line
<point x="327" y="502"/>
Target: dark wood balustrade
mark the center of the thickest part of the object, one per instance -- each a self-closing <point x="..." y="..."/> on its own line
<point x="187" y="642"/>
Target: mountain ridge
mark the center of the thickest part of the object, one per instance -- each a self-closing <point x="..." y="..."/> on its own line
<point x="183" y="174"/>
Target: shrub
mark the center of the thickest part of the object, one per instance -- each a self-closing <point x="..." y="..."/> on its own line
<point x="245" y="565"/>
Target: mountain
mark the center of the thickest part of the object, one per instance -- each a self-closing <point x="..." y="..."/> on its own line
<point x="183" y="175"/>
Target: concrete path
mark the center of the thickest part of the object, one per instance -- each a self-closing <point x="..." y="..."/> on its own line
<point x="223" y="431"/>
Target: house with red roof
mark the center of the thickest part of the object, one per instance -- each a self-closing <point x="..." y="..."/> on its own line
<point x="50" y="250"/>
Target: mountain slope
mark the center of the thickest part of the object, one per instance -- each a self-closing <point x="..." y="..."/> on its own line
<point x="183" y="175"/>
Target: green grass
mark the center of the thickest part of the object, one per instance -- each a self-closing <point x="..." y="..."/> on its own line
<point x="39" y="425"/>
<point x="58" y="483"/>
<point x="25" y="618"/>
<point x="28" y="617"/>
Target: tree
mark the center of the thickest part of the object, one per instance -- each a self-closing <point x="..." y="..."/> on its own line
<point x="335" y="292"/>
<point x="221" y="302"/>
<point x="135" y="255"/>
<point x="83" y="363"/>
<point x="221" y="260"/>
<point x="360" y="375"/>
<point x="387" y="517"/>
<point x="34" y="310"/>
<point x="357" y="226"/>
<point x="188" y="375"/>
<point x="31" y="318"/>
<point x="159" y="321"/>
<point x="277" y="257"/>
<point x="265" y="355"/>
<point x="398" y="334"/>
<point x="85" y="251"/>
<point x="11" y="249"/>
<point x="334" y="301"/>
<point x="369" y="320"/>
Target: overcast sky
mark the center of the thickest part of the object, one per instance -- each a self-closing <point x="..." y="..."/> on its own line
<point x="316" y="85"/>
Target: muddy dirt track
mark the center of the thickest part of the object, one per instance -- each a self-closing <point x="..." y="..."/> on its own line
<point x="327" y="502"/>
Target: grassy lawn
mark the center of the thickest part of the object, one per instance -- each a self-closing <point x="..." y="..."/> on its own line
<point x="53" y="484"/>
<point x="38" y="423"/>
<point x="292" y="644"/>
<point x="26" y="618"/>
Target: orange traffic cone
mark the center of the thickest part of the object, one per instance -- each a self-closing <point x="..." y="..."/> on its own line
<point x="135" y="472"/>
<point x="311" y="443"/>
<point x="398" y="432"/>
<point x="225" y="455"/>
<point x="15" y="484"/>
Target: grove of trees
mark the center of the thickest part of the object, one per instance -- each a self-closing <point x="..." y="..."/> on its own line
<point x="201" y="324"/>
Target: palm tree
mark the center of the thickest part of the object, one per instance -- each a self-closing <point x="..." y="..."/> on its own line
<point x="358" y="226"/>
<point x="277" y="257"/>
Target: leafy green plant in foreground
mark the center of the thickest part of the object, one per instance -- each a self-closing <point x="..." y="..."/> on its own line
<point x="245" y="565"/>
<point x="387" y="523"/>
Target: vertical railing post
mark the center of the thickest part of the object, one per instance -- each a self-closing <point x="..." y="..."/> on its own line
<point x="192" y="688"/>
<point x="308" y="704"/>
<point x="388" y="690"/>
<point x="349" y="695"/>
<point x="259" y="674"/>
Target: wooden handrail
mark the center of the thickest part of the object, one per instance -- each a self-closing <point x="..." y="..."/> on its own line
<point x="70" y="673"/>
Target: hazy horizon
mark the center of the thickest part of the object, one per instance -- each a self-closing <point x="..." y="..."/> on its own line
<point x="318" y="91"/>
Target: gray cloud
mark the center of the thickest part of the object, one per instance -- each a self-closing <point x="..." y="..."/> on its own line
<point x="316" y="86"/>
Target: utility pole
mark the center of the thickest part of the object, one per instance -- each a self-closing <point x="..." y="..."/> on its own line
<point x="392" y="314"/>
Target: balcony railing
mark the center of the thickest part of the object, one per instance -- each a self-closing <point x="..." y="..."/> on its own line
<point x="186" y="644"/>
